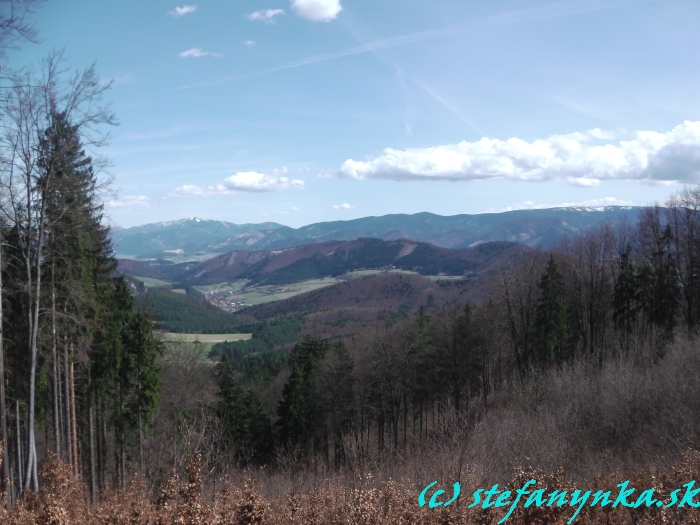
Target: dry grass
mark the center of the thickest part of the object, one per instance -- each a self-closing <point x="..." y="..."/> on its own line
<point x="574" y="428"/>
<point x="357" y="500"/>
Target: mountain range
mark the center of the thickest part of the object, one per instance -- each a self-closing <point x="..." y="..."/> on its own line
<point x="326" y="259"/>
<point x="198" y="238"/>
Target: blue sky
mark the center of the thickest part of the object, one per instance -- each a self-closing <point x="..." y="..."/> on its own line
<point x="310" y="110"/>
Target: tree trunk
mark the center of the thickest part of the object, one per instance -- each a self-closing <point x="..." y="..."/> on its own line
<point x="5" y="482"/>
<point x="102" y="442"/>
<point x="141" y="444"/>
<point x="66" y="404"/>
<point x="405" y="419"/>
<point x="19" y="446"/>
<point x="54" y="361"/>
<point x="91" y="425"/>
<point x="31" y="477"/>
<point x="72" y="420"/>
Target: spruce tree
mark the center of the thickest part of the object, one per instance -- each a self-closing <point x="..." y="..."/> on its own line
<point x="626" y="300"/>
<point x="550" y="317"/>
<point x="301" y="408"/>
<point x="337" y="390"/>
<point x="248" y="427"/>
<point x="660" y="288"/>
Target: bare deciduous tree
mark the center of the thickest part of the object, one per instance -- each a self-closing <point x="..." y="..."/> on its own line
<point x="15" y="27"/>
<point x="29" y="112"/>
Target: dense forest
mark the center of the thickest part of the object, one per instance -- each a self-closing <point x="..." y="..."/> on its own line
<point x="76" y="354"/>
<point x="187" y="313"/>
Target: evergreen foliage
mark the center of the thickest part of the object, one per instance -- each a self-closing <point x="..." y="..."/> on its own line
<point x="550" y="317"/>
<point x="336" y="385"/>
<point x="301" y="407"/>
<point x="183" y="313"/>
<point x="266" y="335"/>
<point x="248" y="427"/>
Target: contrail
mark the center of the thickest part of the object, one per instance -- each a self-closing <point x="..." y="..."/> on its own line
<point x="556" y="10"/>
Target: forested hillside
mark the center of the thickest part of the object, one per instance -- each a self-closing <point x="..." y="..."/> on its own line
<point x="361" y="373"/>
<point x="367" y="373"/>
<point x="330" y="259"/>
<point x="176" y="312"/>
<point x="555" y="349"/>
<point x="534" y="228"/>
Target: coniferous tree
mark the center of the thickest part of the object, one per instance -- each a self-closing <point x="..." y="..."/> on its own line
<point x="248" y="427"/>
<point x="39" y="141"/>
<point x="626" y="300"/>
<point x="550" y="317"/>
<point x="336" y="384"/>
<point x="126" y="371"/>
<point x="301" y="408"/>
<point x="660" y="288"/>
<point x="457" y="356"/>
<point x="141" y="350"/>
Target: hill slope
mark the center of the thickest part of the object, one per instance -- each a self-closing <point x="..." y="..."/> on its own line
<point x="196" y="237"/>
<point x="333" y="258"/>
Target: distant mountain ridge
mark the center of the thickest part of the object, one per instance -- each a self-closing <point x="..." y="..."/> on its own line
<point x="535" y="228"/>
<point x="334" y="258"/>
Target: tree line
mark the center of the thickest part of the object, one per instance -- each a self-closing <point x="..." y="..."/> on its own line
<point x="615" y="292"/>
<point x="77" y="357"/>
<point x="79" y="362"/>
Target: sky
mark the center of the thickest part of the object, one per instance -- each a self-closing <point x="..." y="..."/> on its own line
<point x="301" y="111"/>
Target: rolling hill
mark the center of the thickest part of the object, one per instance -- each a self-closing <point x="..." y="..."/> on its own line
<point x="197" y="238"/>
<point x="333" y="258"/>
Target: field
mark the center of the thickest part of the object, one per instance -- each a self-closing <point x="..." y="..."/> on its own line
<point x="235" y="295"/>
<point x="205" y="338"/>
<point x="153" y="283"/>
<point x="206" y="341"/>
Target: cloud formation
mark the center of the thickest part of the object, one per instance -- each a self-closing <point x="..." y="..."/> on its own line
<point x="250" y="43"/>
<point x="184" y="10"/>
<point x="241" y="182"/>
<point x="130" y="201"/>
<point x="197" y="52"/>
<point x="584" y="159"/>
<point x="344" y="206"/>
<point x="266" y="15"/>
<point x="317" y="10"/>
<point x="592" y="203"/>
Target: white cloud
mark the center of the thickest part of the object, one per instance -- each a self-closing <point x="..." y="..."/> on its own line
<point x="591" y="203"/>
<point x="197" y="52"/>
<point x="184" y="10"/>
<point x="580" y="158"/>
<point x="344" y="206"/>
<point x="130" y="201"/>
<point x="266" y="15"/>
<point x="241" y="182"/>
<point x="584" y="182"/>
<point x="250" y="43"/>
<point x="317" y="10"/>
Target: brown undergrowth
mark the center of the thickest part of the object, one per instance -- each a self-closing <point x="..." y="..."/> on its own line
<point x="180" y="501"/>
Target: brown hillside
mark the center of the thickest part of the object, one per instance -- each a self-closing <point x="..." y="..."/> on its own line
<point x="139" y="269"/>
<point x="372" y="295"/>
<point x="337" y="257"/>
